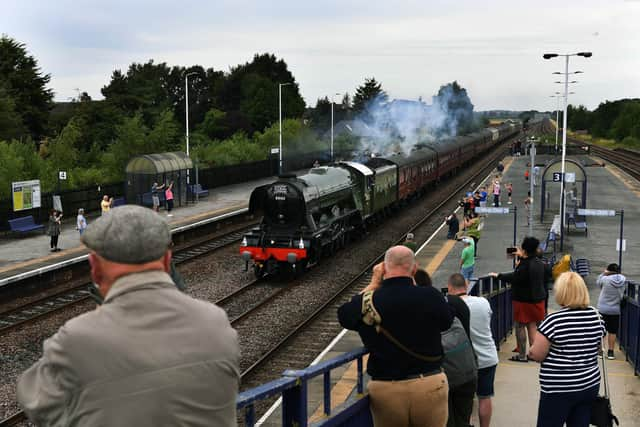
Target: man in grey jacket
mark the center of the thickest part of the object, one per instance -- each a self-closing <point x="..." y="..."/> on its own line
<point x="613" y="285"/>
<point x="149" y="356"/>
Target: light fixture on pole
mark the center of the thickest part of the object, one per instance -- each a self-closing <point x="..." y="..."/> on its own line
<point x="186" y="113"/>
<point x="280" y="120"/>
<point x="564" y="129"/>
<point x="557" y="96"/>
<point x="332" y="104"/>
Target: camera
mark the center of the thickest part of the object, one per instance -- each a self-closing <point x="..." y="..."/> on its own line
<point x="511" y="250"/>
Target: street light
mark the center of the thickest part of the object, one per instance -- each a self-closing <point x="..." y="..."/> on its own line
<point x="332" y="103"/>
<point x="280" y="119"/>
<point x="186" y="109"/>
<point x="564" y="128"/>
<point x="557" y="96"/>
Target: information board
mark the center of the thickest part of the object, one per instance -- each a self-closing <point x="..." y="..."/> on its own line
<point x="492" y="210"/>
<point x="26" y="195"/>
<point x="596" y="212"/>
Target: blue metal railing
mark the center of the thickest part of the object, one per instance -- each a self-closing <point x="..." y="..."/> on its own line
<point x="292" y="386"/>
<point x="629" y="337"/>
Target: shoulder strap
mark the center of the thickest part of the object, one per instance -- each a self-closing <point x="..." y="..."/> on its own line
<point x="371" y="317"/>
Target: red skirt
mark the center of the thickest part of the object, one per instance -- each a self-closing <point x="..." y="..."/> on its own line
<point x="528" y="312"/>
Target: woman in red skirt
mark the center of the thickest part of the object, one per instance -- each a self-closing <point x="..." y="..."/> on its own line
<point x="528" y="294"/>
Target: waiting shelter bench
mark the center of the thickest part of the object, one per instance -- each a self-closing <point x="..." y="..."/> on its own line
<point x="196" y="189"/>
<point x="24" y="224"/>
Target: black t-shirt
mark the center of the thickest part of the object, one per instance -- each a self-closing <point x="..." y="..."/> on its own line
<point x="413" y="315"/>
<point x="461" y="311"/>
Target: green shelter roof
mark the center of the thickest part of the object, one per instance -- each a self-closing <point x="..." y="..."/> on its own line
<point x="153" y="164"/>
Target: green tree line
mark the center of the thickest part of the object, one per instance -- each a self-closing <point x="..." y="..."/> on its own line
<point x="618" y="120"/>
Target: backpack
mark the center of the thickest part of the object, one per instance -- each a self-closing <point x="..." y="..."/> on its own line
<point x="459" y="361"/>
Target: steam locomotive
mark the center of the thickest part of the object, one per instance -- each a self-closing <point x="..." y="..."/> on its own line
<point x="310" y="216"/>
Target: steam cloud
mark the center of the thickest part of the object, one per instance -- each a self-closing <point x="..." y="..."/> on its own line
<point x="397" y="126"/>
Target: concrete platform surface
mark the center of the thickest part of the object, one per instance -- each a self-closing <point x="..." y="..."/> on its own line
<point x="516" y="385"/>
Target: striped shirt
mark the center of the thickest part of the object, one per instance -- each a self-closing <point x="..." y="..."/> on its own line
<point x="572" y="362"/>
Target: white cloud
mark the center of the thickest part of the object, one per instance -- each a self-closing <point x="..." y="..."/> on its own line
<point x="493" y="48"/>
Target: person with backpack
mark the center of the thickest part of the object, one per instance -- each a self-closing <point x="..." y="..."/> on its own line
<point x="401" y="325"/>
<point x="459" y="360"/>
<point x="483" y="345"/>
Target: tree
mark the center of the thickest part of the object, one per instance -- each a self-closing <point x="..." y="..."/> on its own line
<point x="320" y="115"/>
<point x="367" y="94"/>
<point x="453" y="100"/>
<point x="25" y="83"/>
<point x="214" y="126"/>
<point x="11" y="126"/>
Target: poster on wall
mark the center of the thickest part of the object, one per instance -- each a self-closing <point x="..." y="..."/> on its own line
<point x="26" y="195"/>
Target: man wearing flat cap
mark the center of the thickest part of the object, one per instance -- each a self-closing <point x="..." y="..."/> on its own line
<point x="149" y="356"/>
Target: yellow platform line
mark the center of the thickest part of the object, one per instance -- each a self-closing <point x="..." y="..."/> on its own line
<point x="82" y="249"/>
<point x="343" y="388"/>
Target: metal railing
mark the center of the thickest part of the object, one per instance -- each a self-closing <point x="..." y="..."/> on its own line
<point x="292" y="386"/>
<point x="629" y="337"/>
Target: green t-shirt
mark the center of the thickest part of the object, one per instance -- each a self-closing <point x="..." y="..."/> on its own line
<point x="467" y="256"/>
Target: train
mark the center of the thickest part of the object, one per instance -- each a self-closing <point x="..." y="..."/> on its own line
<point x="308" y="217"/>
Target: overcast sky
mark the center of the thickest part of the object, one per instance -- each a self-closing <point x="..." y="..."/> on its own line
<point x="493" y="48"/>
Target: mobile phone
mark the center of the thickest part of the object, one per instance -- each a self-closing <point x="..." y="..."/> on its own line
<point x="511" y="250"/>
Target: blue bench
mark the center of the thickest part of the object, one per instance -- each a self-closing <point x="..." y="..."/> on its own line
<point x="197" y="190"/>
<point x="551" y="237"/>
<point x="24" y="224"/>
<point x="582" y="266"/>
<point x="147" y="200"/>
<point x="579" y="222"/>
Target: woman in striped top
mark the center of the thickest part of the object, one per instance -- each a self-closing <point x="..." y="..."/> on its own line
<point x="567" y="344"/>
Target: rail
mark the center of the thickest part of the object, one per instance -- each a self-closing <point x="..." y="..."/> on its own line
<point x="292" y="386"/>
<point x="629" y="337"/>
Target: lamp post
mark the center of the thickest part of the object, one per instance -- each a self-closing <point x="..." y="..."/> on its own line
<point x="564" y="128"/>
<point x="557" y="96"/>
<point x="280" y="120"/>
<point x="186" y="114"/>
<point x="332" y="104"/>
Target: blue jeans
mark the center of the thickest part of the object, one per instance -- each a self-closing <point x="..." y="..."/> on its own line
<point x="467" y="272"/>
<point x="573" y="408"/>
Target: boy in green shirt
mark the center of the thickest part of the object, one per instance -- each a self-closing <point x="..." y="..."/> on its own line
<point x="467" y="260"/>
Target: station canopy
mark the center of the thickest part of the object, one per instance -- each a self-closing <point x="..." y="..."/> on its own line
<point x="158" y="164"/>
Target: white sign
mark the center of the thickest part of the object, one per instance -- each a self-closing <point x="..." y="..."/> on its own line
<point x="596" y="212"/>
<point x="275" y="150"/>
<point x="26" y="195"/>
<point x="570" y="177"/>
<point x="624" y="245"/>
<point x="492" y="210"/>
<point x="62" y="175"/>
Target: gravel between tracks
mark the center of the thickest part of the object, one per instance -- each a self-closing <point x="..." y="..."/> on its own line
<point x="210" y="277"/>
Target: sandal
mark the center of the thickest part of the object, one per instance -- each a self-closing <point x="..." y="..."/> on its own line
<point x="516" y="358"/>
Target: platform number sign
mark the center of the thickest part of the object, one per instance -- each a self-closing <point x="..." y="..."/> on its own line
<point x="62" y="175"/>
<point x="557" y="177"/>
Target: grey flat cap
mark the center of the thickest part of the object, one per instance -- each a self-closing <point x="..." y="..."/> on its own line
<point x="128" y="235"/>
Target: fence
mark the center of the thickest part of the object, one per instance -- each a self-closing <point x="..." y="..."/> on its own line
<point x="292" y="386"/>
<point x="630" y="325"/>
<point x="87" y="198"/>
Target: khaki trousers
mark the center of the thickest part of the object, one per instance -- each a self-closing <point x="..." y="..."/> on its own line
<point x="420" y="402"/>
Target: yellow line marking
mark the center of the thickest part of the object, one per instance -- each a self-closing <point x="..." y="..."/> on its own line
<point x="439" y="258"/>
<point x="81" y="249"/>
<point x="341" y="390"/>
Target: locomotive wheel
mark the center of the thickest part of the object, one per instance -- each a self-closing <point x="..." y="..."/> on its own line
<point x="300" y="267"/>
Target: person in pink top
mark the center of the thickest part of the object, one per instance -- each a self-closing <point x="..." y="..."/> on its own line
<point x="496" y="191"/>
<point x="168" y="195"/>
<point x="509" y="188"/>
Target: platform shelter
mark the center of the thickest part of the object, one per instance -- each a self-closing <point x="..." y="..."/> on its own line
<point x="143" y="171"/>
<point x="575" y="185"/>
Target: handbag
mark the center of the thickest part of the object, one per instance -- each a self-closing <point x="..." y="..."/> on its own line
<point x="601" y="414"/>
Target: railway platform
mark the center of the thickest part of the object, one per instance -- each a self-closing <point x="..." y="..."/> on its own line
<point x="516" y="384"/>
<point x="22" y="255"/>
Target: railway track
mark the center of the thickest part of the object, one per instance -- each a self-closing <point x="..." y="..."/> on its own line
<point x="286" y="354"/>
<point x="305" y="334"/>
<point x="50" y="304"/>
<point x="626" y="160"/>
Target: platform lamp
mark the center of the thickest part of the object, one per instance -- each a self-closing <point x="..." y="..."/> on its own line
<point x="280" y="121"/>
<point x="557" y="96"/>
<point x="186" y="115"/>
<point x="564" y="127"/>
<point x="333" y="97"/>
